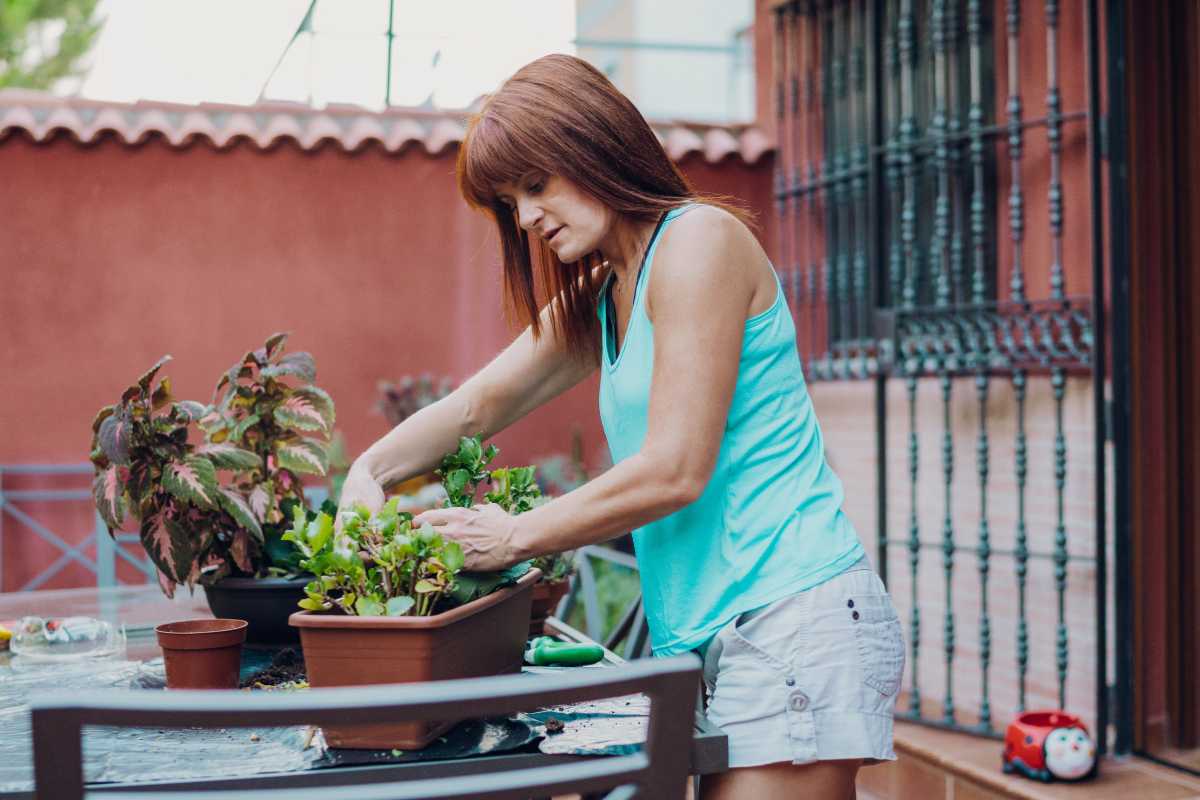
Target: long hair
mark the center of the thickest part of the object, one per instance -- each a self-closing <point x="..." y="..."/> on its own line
<point x="561" y="116"/>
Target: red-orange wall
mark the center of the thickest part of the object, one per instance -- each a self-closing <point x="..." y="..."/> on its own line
<point x="112" y="255"/>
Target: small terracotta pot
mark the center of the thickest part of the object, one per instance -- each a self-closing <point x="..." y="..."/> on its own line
<point x="483" y="637"/>
<point x="546" y="597"/>
<point x="202" y="653"/>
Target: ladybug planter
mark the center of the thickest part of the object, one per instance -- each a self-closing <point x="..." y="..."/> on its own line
<point x="1048" y="746"/>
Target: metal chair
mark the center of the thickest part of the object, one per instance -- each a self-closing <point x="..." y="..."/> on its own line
<point x="659" y="770"/>
<point x="630" y="636"/>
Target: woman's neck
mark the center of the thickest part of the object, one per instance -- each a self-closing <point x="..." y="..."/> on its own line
<point x="624" y="246"/>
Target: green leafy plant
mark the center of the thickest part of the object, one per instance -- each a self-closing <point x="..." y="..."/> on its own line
<point x="193" y="526"/>
<point x="378" y="565"/>
<point x="268" y="404"/>
<point x="463" y="470"/>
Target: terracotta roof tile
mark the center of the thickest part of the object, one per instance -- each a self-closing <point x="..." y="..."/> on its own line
<point x="41" y="116"/>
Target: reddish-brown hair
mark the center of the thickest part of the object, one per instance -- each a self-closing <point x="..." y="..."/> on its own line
<point x="559" y="115"/>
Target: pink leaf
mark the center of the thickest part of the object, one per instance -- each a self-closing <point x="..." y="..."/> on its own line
<point x="240" y="550"/>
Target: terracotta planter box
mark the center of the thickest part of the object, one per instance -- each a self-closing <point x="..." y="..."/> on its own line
<point x="484" y="637"/>
<point x="546" y="596"/>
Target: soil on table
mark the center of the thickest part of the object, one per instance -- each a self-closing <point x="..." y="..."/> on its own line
<point x="286" y="669"/>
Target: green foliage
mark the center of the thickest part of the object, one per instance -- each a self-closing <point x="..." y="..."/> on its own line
<point x="26" y="23"/>
<point x="380" y="565"/>
<point x="464" y="470"/>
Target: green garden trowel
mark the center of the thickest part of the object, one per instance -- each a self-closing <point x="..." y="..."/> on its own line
<point x="546" y="651"/>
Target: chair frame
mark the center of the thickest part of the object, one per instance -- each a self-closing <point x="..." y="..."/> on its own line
<point x="658" y="770"/>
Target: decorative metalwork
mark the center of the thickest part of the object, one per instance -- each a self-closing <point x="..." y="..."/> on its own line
<point x="905" y="153"/>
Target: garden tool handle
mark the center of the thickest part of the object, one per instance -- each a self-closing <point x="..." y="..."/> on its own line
<point x="547" y="651"/>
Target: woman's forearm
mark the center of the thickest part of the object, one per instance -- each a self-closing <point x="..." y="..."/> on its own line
<point x="631" y="494"/>
<point x="416" y="445"/>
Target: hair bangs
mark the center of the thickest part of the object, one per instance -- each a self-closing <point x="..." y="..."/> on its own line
<point x="490" y="156"/>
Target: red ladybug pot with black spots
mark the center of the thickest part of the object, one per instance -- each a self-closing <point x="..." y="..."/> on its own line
<point x="391" y="604"/>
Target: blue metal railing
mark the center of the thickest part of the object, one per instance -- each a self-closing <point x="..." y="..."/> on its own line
<point x="108" y="549"/>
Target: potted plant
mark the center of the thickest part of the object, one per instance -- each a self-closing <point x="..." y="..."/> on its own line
<point x="390" y="604"/>
<point x="268" y="404"/>
<point x="191" y="523"/>
<point x="212" y="514"/>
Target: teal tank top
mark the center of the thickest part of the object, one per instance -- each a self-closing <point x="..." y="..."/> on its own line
<point x="770" y="521"/>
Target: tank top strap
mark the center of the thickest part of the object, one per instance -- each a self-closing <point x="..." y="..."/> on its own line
<point x="644" y="274"/>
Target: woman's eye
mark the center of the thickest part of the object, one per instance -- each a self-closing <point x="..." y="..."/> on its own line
<point x="537" y="187"/>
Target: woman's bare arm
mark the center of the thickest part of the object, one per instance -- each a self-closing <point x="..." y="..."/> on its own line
<point x="701" y="290"/>
<point x="522" y="377"/>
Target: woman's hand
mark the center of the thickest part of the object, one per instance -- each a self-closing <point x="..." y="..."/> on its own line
<point x="359" y="488"/>
<point x="487" y="534"/>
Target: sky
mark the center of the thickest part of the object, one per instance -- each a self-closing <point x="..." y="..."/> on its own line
<point x="224" y="51"/>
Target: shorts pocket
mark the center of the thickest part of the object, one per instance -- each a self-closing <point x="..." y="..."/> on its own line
<point x="880" y="641"/>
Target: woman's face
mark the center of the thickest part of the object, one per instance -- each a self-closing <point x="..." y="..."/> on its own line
<point x="569" y="220"/>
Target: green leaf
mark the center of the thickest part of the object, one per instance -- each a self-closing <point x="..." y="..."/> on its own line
<point x="192" y="480"/>
<point x="309" y="604"/>
<point x="226" y="455"/>
<point x="426" y="586"/>
<point x="299" y="364"/>
<point x="452" y="557"/>
<point x="368" y="607"/>
<point x="399" y="606"/>
<point x="111" y="499"/>
<point x="114" y="437"/>
<point x="237" y="507"/>
<point x="305" y="456"/>
<point x="307" y="409"/>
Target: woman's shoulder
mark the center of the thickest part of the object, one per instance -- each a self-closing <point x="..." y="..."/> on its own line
<point x="704" y="228"/>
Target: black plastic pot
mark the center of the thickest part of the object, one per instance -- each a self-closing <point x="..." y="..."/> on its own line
<point x="265" y="603"/>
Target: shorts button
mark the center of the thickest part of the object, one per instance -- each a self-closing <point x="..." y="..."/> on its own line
<point x="854" y="615"/>
<point x="849" y="604"/>
<point x="790" y="681"/>
<point x="799" y="702"/>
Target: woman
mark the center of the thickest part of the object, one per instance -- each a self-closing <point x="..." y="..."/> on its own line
<point x="719" y="468"/>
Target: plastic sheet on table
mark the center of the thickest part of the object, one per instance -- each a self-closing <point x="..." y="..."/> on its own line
<point x="476" y="737"/>
<point x="136" y="754"/>
<point x="610" y="727"/>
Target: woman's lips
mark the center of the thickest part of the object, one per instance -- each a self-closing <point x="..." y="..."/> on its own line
<point x="554" y="233"/>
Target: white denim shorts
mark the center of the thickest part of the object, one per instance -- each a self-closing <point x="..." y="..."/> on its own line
<point x="810" y="677"/>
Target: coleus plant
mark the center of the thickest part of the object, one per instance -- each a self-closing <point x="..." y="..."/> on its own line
<point x="192" y="525"/>
<point x="267" y="404"/>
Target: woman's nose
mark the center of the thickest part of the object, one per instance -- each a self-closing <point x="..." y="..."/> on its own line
<point x="528" y="215"/>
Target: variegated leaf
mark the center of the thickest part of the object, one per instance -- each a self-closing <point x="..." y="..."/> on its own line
<point x="239" y="549"/>
<point x="226" y="455"/>
<point x="102" y="415"/>
<point x="114" y="438"/>
<point x="193" y="480"/>
<point x="144" y="381"/>
<point x="161" y="395"/>
<point x="190" y="410"/>
<point x="299" y="413"/>
<point x="299" y="364"/>
<point x="156" y="541"/>
<point x="322" y="402"/>
<point x="166" y="584"/>
<point x="239" y="430"/>
<point x="237" y="507"/>
<point x="212" y="421"/>
<point x="275" y="343"/>
<point x="111" y="500"/>
<point x="183" y="537"/>
<point x="304" y="456"/>
<point x="261" y="500"/>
